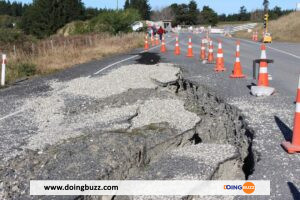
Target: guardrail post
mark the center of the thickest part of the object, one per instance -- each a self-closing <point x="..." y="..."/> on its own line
<point x="3" y="69"/>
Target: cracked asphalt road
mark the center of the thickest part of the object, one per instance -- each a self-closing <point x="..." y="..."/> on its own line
<point x="270" y="117"/>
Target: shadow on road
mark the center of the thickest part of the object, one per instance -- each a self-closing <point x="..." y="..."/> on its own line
<point x="249" y="86"/>
<point x="285" y="130"/>
<point x="294" y="190"/>
<point x="148" y="58"/>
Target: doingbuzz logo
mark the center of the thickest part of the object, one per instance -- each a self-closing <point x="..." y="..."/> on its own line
<point x="248" y="187"/>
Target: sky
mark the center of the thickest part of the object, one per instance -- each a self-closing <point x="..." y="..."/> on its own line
<point x="220" y="6"/>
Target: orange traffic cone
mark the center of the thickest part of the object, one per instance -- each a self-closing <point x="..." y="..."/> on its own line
<point x="152" y="41"/>
<point x="203" y="51"/>
<point x="253" y="36"/>
<point x="294" y="146"/>
<point x="146" y="47"/>
<point x="220" y="59"/>
<point x="210" y="58"/>
<point x="190" y="53"/>
<point x="177" y="48"/>
<point x="163" y="45"/>
<point x="263" y="77"/>
<point x="156" y="40"/>
<point x="237" y="69"/>
<point x="256" y="36"/>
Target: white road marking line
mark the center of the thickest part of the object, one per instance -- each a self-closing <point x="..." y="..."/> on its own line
<point x="11" y="114"/>
<point x="17" y="112"/>
<point x="113" y="64"/>
<point x="281" y="51"/>
<point x="285" y="52"/>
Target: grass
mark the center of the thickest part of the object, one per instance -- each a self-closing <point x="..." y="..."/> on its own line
<point x="223" y="24"/>
<point x="285" y="29"/>
<point x="58" y="53"/>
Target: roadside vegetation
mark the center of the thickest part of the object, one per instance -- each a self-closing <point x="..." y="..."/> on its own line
<point x="57" y="53"/>
<point x="286" y="28"/>
<point x="112" y="22"/>
<point x="47" y="35"/>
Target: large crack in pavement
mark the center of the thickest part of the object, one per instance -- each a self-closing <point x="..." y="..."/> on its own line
<point x="136" y="122"/>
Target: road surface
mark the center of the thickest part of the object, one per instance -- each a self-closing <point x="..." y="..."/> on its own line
<point x="270" y="117"/>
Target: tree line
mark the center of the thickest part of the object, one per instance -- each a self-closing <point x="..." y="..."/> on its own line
<point x="15" y="9"/>
<point x="256" y="15"/>
<point x="186" y="14"/>
<point x="43" y="18"/>
<point x="190" y="14"/>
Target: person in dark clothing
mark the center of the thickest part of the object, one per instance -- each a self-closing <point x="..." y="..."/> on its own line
<point x="160" y="32"/>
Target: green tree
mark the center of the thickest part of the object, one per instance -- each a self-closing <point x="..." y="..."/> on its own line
<point x="243" y="15"/>
<point x="15" y="9"/>
<point x="222" y="17"/>
<point x="142" y="6"/>
<point x="45" y="17"/>
<point x="275" y="12"/>
<point x="91" y="12"/>
<point x="193" y="13"/>
<point x="266" y="5"/>
<point x="208" y="16"/>
<point x="114" y="21"/>
<point x="127" y="4"/>
<point x="181" y="12"/>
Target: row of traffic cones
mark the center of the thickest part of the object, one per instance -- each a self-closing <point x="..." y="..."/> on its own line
<point x="237" y="72"/>
<point x="255" y="36"/>
<point x="263" y="78"/>
<point x="154" y="42"/>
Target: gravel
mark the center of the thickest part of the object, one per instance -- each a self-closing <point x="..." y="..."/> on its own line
<point x="66" y="110"/>
<point x="171" y="111"/>
<point x="120" y="80"/>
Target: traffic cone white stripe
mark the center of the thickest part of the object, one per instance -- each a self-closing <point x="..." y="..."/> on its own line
<point x="297" y="107"/>
<point x="219" y="55"/>
<point x="237" y="59"/>
<point x="263" y="55"/>
<point x="263" y="70"/>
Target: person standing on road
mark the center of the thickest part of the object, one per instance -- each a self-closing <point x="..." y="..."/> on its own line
<point x="154" y="30"/>
<point x="149" y="31"/>
<point x="160" y="32"/>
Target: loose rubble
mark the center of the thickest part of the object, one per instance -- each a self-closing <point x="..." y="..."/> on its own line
<point x="152" y="124"/>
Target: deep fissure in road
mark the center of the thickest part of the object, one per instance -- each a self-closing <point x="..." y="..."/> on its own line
<point x="140" y="153"/>
<point x="231" y="129"/>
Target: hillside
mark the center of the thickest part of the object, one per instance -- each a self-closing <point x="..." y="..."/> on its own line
<point x="285" y="28"/>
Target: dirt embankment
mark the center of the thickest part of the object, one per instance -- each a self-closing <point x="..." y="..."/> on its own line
<point x="285" y="28"/>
